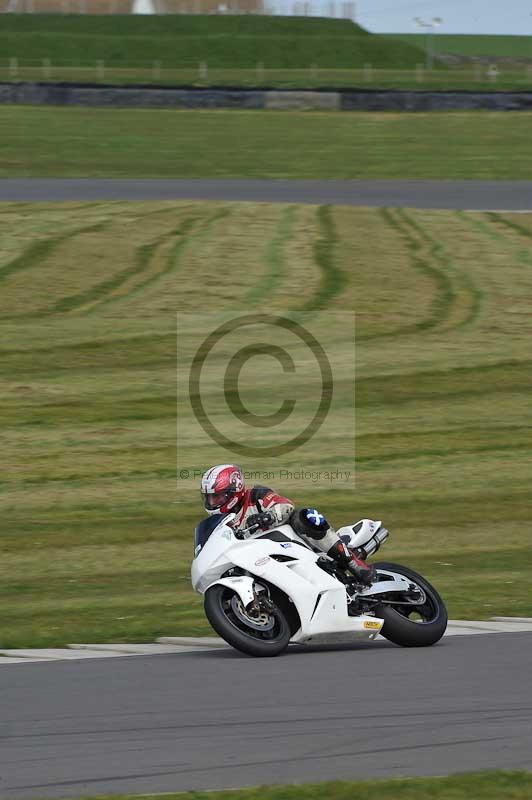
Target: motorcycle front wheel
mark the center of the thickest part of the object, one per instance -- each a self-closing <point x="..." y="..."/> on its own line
<point x="412" y="625"/>
<point x="266" y="634"/>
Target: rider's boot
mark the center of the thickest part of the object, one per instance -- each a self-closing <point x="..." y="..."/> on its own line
<point x="346" y="557"/>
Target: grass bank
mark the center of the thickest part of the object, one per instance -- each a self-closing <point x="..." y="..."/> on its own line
<point x="183" y="41"/>
<point x="141" y="143"/>
<point x="98" y="497"/>
<point x="250" y="51"/>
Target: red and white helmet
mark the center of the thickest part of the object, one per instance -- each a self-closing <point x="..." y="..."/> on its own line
<point x="222" y="489"/>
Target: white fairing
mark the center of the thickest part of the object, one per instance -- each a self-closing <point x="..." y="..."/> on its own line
<point x="320" y="599"/>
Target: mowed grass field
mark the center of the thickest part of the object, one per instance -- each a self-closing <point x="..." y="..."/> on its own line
<point x="96" y="529"/>
<point x="143" y="143"/>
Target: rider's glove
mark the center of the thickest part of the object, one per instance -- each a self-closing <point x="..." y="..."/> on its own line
<point x="263" y="520"/>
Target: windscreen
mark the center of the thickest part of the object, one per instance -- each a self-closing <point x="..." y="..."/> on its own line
<point x="204" y="530"/>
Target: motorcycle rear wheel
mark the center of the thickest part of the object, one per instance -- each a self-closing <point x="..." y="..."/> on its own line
<point x="401" y="630"/>
<point x="229" y="619"/>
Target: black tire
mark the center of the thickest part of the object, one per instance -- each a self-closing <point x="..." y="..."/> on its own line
<point x="398" y="628"/>
<point x="235" y="631"/>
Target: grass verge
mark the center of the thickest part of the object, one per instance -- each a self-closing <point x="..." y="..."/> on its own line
<point x="492" y="785"/>
<point x="142" y="143"/>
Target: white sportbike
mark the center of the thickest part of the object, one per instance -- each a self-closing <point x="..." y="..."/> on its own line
<point x="265" y="589"/>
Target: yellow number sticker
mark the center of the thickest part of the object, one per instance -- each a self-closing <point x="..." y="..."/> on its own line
<point x="373" y="625"/>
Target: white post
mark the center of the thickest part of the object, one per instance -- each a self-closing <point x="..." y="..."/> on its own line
<point x="493" y="72"/>
<point x="203" y="70"/>
<point x="13" y="67"/>
<point x="143" y="7"/>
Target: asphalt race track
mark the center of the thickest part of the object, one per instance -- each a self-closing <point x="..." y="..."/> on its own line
<point x="468" y="195"/>
<point x="218" y="719"/>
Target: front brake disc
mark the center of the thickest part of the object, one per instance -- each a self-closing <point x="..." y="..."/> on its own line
<point x="260" y="622"/>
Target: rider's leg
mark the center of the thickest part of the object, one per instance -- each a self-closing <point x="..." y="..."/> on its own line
<point x="309" y="523"/>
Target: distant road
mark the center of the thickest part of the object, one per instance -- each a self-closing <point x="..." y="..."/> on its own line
<point x="218" y="719"/>
<point x="481" y="195"/>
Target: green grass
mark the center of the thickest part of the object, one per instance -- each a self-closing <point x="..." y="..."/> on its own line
<point x="291" y="51"/>
<point x="77" y="142"/>
<point x="183" y="41"/>
<point x="96" y="532"/>
<point x="476" y="785"/>
<point x="180" y="25"/>
<point x="470" y="77"/>
<point x="473" y="45"/>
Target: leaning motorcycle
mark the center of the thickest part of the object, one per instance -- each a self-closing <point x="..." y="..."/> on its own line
<point x="265" y="589"/>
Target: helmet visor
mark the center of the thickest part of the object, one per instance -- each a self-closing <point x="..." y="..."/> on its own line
<point x="215" y="500"/>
